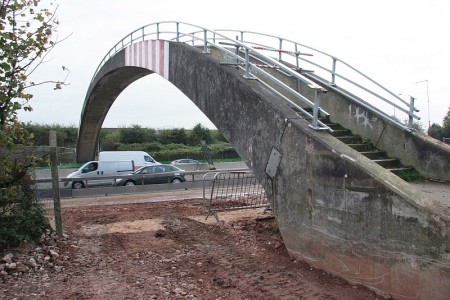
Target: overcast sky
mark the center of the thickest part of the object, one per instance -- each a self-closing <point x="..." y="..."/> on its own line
<point x="396" y="42"/>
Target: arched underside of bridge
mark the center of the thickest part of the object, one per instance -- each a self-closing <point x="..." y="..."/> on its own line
<point x="336" y="209"/>
<point x="112" y="80"/>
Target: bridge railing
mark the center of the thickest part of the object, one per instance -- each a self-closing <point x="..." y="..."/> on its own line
<point x="252" y="47"/>
<point x="335" y="74"/>
<point x="255" y="69"/>
<point x="198" y="36"/>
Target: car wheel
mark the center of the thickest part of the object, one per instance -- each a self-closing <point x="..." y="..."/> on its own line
<point x="176" y="180"/>
<point x="129" y="183"/>
<point x="77" y="185"/>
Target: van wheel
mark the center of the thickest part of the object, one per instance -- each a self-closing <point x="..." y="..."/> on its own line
<point x="77" y="185"/>
<point x="176" y="180"/>
<point x="129" y="183"/>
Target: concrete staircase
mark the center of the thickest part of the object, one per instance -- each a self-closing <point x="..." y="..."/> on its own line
<point x="366" y="148"/>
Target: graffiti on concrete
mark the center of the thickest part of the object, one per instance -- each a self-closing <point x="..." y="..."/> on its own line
<point x="361" y="116"/>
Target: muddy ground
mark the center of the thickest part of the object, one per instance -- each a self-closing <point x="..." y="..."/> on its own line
<point x="165" y="250"/>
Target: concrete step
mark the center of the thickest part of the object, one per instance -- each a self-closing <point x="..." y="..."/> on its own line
<point x="332" y="125"/>
<point x="366" y="149"/>
<point x="350" y="139"/>
<point x="375" y="154"/>
<point x="400" y="169"/>
<point x="340" y="132"/>
<point x="361" y="147"/>
<point x="388" y="163"/>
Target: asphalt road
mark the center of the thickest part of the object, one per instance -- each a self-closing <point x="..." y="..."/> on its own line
<point x="435" y="190"/>
<point x="194" y="181"/>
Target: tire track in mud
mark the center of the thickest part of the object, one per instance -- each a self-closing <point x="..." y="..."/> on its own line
<point x="241" y="267"/>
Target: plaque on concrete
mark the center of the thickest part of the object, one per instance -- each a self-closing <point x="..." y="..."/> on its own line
<point x="273" y="163"/>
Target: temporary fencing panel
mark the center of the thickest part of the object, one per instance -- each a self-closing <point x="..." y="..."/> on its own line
<point x="223" y="191"/>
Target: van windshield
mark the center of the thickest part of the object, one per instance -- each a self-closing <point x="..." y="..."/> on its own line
<point x="90" y="167"/>
<point x="148" y="158"/>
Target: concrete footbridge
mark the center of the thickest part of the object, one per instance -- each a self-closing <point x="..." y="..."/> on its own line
<point x="317" y="133"/>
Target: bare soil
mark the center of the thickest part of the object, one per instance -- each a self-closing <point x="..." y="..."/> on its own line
<point x="168" y="250"/>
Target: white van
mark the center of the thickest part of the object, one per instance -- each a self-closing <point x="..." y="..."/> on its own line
<point x="140" y="158"/>
<point x="96" y="171"/>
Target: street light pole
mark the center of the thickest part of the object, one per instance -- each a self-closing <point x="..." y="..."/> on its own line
<point x="428" y="98"/>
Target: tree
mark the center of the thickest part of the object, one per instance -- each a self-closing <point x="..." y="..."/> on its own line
<point x="136" y="134"/>
<point x="200" y="133"/>
<point x="435" y="131"/>
<point x="25" y="40"/>
<point x="172" y="136"/>
<point x="446" y="125"/>
<point x="66" y="136"/>
<point x="217" y="136"/>
<point x="26" y="37"/>
<point x="439" y="132"/>
<point x="179" y="136"/>
<point x="418" y="126"/>
<point x="447" y="117"/>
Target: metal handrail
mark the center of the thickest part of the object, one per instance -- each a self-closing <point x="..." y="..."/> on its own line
<point x="286" y="49"/>
<point x="141" y="34"/>
<point x="289" y="48"/>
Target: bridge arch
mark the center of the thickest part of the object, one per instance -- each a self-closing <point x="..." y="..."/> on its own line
<point x="112" y="79"/>
<point x="336" y="209"/>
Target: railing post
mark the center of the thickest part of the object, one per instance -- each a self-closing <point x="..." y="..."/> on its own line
<point x="279" y="52"/>
<point x="143" y="33"/>
<point x="178" y="32"/>
<point x="237" y="53"/>
<point x="333" y="73"/>
<point x="157" y="31"/>
<point x="205" y="42"/>
<point x="411" y="112"/>
<point x="316" y="107"/>
<point x="247" y="65"/>
<point x="297" y="63"/>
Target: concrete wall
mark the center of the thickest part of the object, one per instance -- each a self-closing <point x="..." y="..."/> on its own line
<point x="430" y="157"/>
<point x="336" y="209"/>
<point x="348" y="216"/>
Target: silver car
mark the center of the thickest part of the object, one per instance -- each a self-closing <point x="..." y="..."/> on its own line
<point x="153" y="174"/>
<point x="185" y="161"/>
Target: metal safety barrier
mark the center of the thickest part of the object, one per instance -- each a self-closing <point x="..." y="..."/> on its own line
<point x="234" y="190"/>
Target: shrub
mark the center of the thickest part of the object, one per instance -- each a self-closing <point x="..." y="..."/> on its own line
<point x="22" y="217"/>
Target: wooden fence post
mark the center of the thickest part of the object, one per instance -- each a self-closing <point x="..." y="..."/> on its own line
<point x="55" y="182"/>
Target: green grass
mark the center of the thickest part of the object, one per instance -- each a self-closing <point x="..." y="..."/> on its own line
<point x="410" y="175"/>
